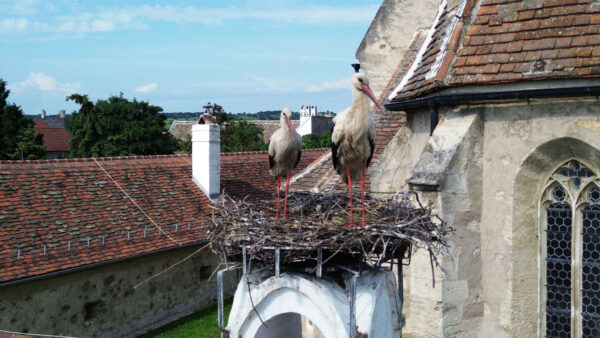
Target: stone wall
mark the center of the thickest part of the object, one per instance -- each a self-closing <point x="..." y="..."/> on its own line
<point x="102" y="302"/>
<point x="523" y="145"/>
<point x="487" y="166"/>
<point x="390" y="35"/>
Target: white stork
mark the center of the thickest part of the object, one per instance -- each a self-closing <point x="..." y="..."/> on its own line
<point x="285" y="148"/>
<point x="353" y="137"/>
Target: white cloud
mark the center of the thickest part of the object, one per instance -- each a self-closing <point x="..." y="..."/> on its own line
<point x="328" y="85"/>
<point x="19" y="7"/>
<point x="148" y="88"/>
<point x="45" y="83"/>
<point x="14" y="25"/>
<point x="113" y="19"/>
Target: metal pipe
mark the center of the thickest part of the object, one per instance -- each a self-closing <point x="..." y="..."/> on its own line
<point x="277" y="257"/>
<point x="352" y="322"/>
<point x="433" y="116"/>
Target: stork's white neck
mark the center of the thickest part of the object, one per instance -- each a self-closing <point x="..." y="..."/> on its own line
<point x="360" y="104"/>
<point x="283" y="124"/>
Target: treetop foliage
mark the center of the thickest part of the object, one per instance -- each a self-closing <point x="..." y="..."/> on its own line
<point x="17" y="136"/>
<point x="118" y="127"/>
<point x="242" y="136"/>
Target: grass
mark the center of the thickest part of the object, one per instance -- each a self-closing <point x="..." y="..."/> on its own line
<point x="200" y="324"/>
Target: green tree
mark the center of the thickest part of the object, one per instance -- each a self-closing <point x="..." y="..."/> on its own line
<point x="17" y="136"/>
<point x="118" y="127"/>
<point x="185" y="145"/>
<point x="242" y="136"/>
<point x="316" y="141"/>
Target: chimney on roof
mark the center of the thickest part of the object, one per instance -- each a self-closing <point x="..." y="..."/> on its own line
<point x="62" y="114"/>
<point x="206" y="157"/>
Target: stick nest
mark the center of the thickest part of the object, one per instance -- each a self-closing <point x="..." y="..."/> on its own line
<point x="393" y="227"/>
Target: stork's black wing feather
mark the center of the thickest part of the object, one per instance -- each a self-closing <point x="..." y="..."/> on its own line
<point x="372" y="143"/>
<point x="271" y="161"/>
<point x="298" y="159"/>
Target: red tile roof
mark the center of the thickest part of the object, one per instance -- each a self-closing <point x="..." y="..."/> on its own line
<point x="247" y="174"/>
<point x="55" y="139"/>
<point x="61" y="204"/>
<point x="508" y="41"/>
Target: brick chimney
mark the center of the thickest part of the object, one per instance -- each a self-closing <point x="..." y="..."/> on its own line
<point x="206" y="157"/>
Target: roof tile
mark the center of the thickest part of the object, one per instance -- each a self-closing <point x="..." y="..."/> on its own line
<point x="551" y="39"/>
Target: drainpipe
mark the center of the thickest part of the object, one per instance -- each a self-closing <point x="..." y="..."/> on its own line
<point x="454" y="99"/>
<point x="433" y="116"/>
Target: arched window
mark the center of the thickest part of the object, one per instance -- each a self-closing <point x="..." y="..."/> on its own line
<point x="570" y="268"/>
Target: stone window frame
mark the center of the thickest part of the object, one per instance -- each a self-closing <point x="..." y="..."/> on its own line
<point x="577" y="198"/>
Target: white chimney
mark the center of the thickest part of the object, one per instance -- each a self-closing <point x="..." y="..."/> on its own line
<point x="206" y="158"/>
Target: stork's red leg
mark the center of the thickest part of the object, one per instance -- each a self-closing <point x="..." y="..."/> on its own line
<point x="278" y="187"/>
<point x="350" y="192"/>
<point x="362" y="193"/>
<point x="287" y="187"/>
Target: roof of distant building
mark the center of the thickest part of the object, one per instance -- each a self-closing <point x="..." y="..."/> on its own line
<point x="53" y="121"/>
<point x="55" y="139"/>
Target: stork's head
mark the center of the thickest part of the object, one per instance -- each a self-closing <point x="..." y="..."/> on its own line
<point x="286" y="117"/>
<point x="361" y="83"/>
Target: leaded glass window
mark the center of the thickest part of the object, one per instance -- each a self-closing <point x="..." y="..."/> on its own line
<point x="558" y="265"/>
<point x="571" y="249"/>
<point x="590" y="290"/>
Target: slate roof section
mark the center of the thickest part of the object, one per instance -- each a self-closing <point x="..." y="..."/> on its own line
<point x="55" y="139"/>
<point x="53" y="121"/>
<point x="60" y="204"/>
<point x="508" y="41"/>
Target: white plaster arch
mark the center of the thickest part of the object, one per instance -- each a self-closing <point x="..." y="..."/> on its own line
<point x="290" y="293"/>
<point x="323" y="302"/>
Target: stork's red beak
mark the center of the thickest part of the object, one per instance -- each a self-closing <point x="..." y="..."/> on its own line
<point x="367" y="90"/>
<point x="289" y="123"/>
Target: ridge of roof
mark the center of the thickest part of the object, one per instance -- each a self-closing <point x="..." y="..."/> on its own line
<point x="91" y="159"/>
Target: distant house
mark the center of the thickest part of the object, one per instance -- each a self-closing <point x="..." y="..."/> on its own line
<point x="181" y="129"/>
<point x="312" y="123"/>
<point x="59" y="120"/>
<point x="56" y="140"/>
<point x="76" y="236"/>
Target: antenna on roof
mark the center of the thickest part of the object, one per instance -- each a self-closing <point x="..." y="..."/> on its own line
<point x="356" y="67"/>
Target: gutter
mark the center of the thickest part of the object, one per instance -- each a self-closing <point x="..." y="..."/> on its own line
<point x="464" y="98"/>
<point x="96" y="265"/>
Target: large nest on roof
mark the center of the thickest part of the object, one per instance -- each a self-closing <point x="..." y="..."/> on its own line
<point x="393" y="226"/>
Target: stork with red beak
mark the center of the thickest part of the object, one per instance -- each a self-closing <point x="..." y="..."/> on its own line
<point x="285" y="148"/>
<point x="353" y="137"/>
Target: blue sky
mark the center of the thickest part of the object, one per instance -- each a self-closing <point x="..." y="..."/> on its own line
<point x="245" y="55"/>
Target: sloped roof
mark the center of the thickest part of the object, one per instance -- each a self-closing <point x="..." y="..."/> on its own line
<point x="55" y="139"/>
<point x="181" y="128"/>
<point x="506" y="41"/>
<point x="53" y="121"/>
<point x="247" y="174"/>
<point x="57" y="205"/>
